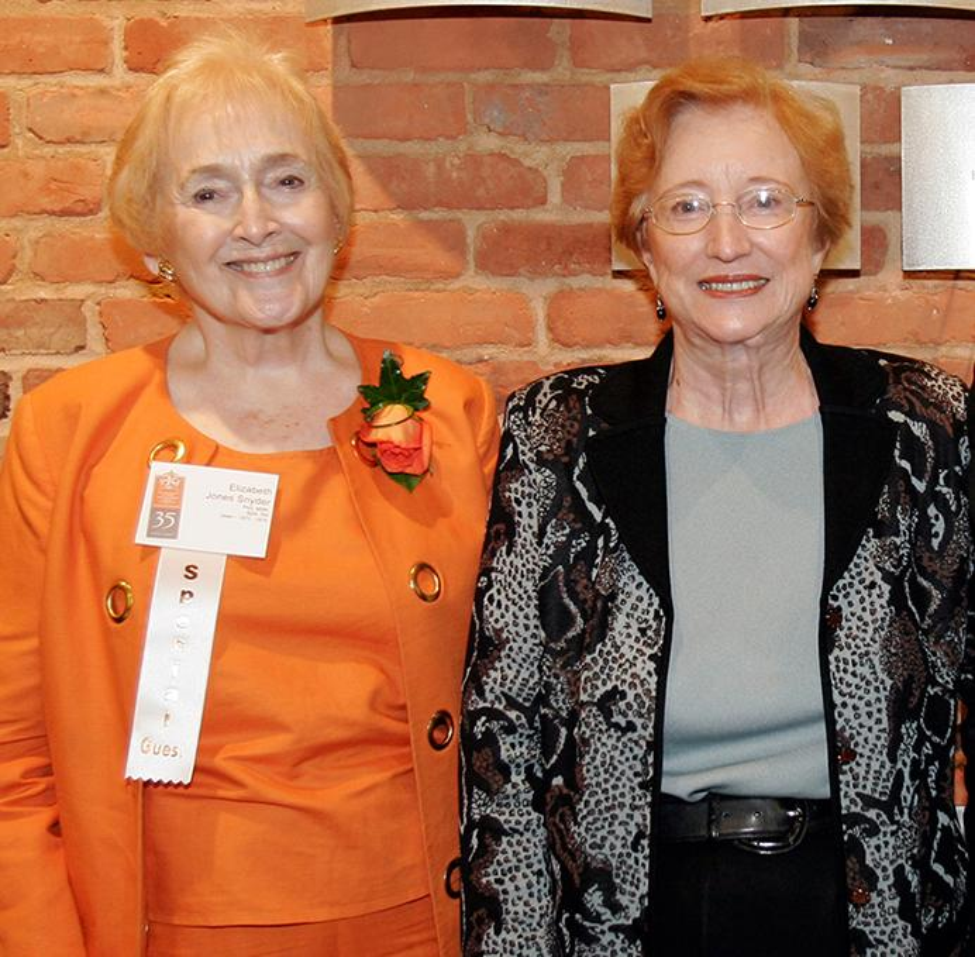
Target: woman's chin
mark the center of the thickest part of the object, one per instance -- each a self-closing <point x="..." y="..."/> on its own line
<point x="739" y="327"/>
<point x="272" y="315"/>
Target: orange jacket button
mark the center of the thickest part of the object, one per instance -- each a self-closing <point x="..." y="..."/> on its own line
<point x="440" y="730"/>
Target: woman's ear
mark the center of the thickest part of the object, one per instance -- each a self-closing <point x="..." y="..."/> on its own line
<point x="647" y="258"/>
<point x="643" y="248"/>
<point x="819" y="256"/>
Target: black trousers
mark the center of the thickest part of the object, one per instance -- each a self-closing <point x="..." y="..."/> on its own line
<point x="714" y="899"/>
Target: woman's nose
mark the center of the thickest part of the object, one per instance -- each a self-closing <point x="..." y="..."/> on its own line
<point x="728" y="236"/>
<point x="255" y="217"/>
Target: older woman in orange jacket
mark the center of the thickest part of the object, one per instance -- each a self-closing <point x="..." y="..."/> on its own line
<point x="319" y="815"/>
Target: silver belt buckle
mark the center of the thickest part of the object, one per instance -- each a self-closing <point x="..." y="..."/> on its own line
<point x="780" y="845"/>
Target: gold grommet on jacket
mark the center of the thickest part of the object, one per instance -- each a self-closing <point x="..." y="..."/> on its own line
<point x="425" y="581"/>
<point x="119" y="600"/>
<point x="176" y="446"/>
<point x="440" y="730"/>
<point x="451" y="879"/>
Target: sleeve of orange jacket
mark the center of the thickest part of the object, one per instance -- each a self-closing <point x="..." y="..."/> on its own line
<point x="37" y="909"/>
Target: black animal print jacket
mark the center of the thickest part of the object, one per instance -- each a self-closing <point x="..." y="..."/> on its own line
<point x="570" y="641"/>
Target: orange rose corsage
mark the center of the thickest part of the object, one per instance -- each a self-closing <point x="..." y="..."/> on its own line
<point x="394" y="436"/>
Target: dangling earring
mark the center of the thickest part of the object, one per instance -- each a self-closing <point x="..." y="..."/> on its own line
<point x="813" y="299"/>
<point x="661" y="309"/>
<point x="336" y="247"/>
<point x="166" y="270"/>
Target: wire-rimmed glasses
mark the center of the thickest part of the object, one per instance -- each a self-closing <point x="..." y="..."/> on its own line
<point x="764" y="207"/>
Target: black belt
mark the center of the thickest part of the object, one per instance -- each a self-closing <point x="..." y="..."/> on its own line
<point x="761" y="825"/>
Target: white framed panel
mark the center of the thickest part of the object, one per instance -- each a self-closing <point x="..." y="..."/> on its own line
<point x="938" y="176"/>
<point x="326" y="9"/>
<point x="709" y="7"/>
<point x="845" y="254"/>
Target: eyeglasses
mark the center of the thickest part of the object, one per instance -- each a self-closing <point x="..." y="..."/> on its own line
<point x="765" y="207"/>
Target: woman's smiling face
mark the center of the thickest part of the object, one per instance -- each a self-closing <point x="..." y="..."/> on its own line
<point x="246" y="220"/>
<point x="730" y="284"/>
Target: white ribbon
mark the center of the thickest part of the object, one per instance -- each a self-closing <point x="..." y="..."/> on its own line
<point x="175" y="666"/>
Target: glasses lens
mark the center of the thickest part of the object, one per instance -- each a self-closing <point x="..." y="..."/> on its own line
<point x="766" y="207"/>
<point x="681" y="212"/>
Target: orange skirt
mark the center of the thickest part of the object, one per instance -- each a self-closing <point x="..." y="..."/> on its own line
<point x="404" y="931"/>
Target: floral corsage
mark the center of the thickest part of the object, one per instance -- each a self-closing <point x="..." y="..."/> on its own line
<point x="393" y="436"/>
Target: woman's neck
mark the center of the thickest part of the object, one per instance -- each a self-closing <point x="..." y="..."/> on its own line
<point x="740" y="387"/>
<point x="263" y="392"/>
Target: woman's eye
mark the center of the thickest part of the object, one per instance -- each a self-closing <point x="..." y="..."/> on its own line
<point x="687" y="206"/>
<point x="292" y="181"/>
<point x="204" y="195"/>
<point x="764" y="200"/>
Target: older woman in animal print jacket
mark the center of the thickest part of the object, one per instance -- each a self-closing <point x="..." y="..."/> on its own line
<point x="578" y="838"/>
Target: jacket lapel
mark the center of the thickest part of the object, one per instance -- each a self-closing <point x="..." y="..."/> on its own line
<point x="626" y="460"/>
<point x="858" y="444"/>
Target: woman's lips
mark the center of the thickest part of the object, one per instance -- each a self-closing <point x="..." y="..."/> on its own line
<point x="739" y="284"/>
<point x="262" y="267"/>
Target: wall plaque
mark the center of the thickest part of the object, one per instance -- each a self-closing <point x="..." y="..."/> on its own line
<point x="845" y="254"/>
<point x="326" y="9"/>
<point x="938" y="176"/>
<point x="709" y="7"/>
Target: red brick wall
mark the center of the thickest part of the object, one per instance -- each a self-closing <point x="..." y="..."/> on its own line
<point x="481" y="166"/>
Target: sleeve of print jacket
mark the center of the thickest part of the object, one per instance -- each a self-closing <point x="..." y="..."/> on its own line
<point x="37" y="910"/>
<point x="968" y="683"/>
<point x="507" y="897"/>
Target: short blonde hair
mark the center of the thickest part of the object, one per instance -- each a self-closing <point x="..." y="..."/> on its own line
<point x="231" y="69"/>
<point x="811" y="123"/>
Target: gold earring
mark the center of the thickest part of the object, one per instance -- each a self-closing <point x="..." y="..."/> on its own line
<point x="166" y="270"/>
<point x="337" y="247"/>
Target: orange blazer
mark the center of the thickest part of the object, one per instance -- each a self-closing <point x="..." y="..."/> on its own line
<point x="71" y="869"/>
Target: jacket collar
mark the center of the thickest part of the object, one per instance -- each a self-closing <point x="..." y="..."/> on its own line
<point x="846" y="379"/>
<point x="626" y="455"/>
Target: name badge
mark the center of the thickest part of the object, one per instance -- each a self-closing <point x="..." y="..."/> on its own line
<point x="197" y="516"/>
<point x="207" y="510"/>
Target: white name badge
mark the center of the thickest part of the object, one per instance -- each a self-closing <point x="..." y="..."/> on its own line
<point x="207" y="510"/>
<point x="197" y="516"/>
